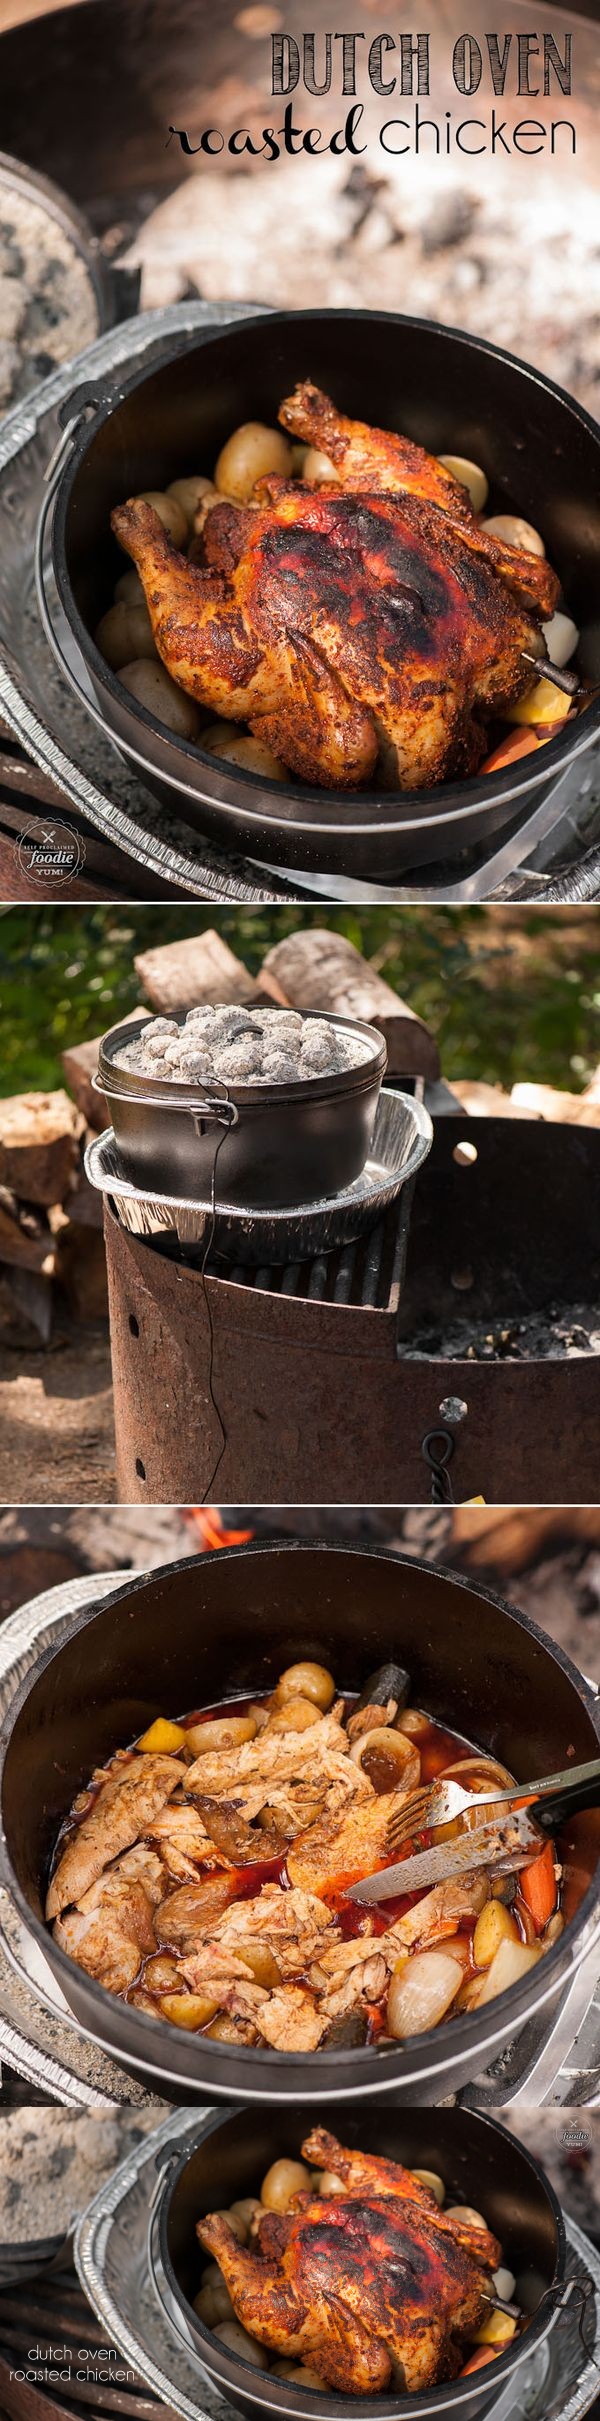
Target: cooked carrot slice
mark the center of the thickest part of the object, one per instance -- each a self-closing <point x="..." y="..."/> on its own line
<point x="487" y="2353"/>
<point x="537" y="1884"/>
<point x="516" y="744"/>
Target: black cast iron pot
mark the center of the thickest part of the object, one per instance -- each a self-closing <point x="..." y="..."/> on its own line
<point x="481" y="2165"/>
<point x="451" y="392"/>
<point x="288" y="1143"/>
<point x="191" y="1633"/>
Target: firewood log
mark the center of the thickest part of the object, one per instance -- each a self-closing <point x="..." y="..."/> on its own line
<point x="182" y="974"/>
<point x="316" y="969"/>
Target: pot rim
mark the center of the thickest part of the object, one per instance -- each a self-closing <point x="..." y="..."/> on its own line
<point x="168" y="1093"/>
<point x="231" y="2371"/>
<point x="327" y="811"/>
<point x="156" y="2034"/>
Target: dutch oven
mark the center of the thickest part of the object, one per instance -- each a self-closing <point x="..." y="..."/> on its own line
<point x="193" y="1633"/>
<point x="481" y="2165"/>
<point x="276" y="1143"/>
<point x="449" y="391"/>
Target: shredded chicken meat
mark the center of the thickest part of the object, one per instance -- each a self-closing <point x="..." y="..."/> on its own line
<point x="210" y="1884"/>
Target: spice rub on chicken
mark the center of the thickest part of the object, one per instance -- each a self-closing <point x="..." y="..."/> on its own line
<point x="204" y="1872"/>
<point x="365" y="627"/>
<point x="367" y="2283"/>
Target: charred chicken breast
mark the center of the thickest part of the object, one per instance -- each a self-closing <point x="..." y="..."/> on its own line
<point x="370" y="2285"/>
<point x="365" y="628"/>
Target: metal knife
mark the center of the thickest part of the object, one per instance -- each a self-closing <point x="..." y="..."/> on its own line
<point x="511" y="1842"/>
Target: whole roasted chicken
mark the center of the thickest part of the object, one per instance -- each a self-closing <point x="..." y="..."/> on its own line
<point x="369" y="2285"/>
<point x="364" y="628"/>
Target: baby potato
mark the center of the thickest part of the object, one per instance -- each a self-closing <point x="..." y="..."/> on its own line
<point x="189" y="493"/>
<point x="317" y="467"/>
<point x="469" y="475"/>
<point x="189" y="2009"/>
<point x="296" y="1715"/>
<point x="411" y="1722"/>
<point x="543" y="704"/>
<point x="128" y="590"/>
<point x="124" y="633"/>
<point x="429" y="2177"/>
<point x="258" y="1957"/>
<point x="283" y="2179"/>
<point x="162" y="1974"/>
<point x="498" y="2330"/>
<point x="214" y="2304"/>
<point x="306" y="1681"/>
<point x="250" y="454"/>
<point x="227" y="1732"/>
<point x="253" y="755"/>
<point x="151" y="684"/>
<point x="237" y="2341"/>
<point x="162" y="1736"/>
<point x="515" y="532"/>
<point x="494" y="1925"/>
<point x="325" y="2182"/>
<point x="170" y="512"/>
<point x="246" y="2209"/>
<point x="464" y="2211"/>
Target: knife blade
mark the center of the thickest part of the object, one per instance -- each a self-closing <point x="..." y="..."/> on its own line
<point x="511" y="1842"/>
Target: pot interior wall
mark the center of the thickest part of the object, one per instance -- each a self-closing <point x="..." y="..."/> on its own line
<point x="436" y="386"/>
<point x="199" y="1631"/>
<point x="480" y="2164"/>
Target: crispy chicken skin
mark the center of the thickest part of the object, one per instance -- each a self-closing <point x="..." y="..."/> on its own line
<point x="362" y="629"/>
<point x="361" y="2283"/>
<point x="371" y="459"/>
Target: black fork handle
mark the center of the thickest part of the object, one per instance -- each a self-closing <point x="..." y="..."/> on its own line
<point x="583" y="1791"/>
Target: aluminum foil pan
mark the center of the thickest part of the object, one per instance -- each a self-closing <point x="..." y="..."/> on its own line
<point x="402" y="1139"/>
<point x="558" y="2383"/>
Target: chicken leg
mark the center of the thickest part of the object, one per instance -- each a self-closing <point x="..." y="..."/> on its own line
<point x="272" y="2309"/>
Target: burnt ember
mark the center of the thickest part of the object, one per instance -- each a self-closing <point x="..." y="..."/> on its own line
<point x="564" y="1332"/>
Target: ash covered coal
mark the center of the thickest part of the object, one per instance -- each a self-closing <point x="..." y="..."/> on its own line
<point x="563" y="1332"/>
<point x="241" y="1046"/>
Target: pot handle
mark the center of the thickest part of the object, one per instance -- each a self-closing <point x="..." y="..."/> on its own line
<point x="214" y="1107"/>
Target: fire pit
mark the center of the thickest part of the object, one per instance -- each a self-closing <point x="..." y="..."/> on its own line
<point x="332" y="1371"/>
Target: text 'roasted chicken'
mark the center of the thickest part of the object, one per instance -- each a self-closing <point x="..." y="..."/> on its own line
<point x="365" y="628"/>
<point x="370" y="2285"/>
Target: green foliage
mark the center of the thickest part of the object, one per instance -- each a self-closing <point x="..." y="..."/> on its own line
<point x="510" y="994"/>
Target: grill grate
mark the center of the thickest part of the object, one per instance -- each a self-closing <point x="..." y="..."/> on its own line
<point x="48" y="2318"/>
<point x="366" y="1275"/>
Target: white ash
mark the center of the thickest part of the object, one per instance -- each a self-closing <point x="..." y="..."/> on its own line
<point x="53" y="2162"/>
<point x="48" y="307"/>
<point x="241" y="1046"/>
<point x="388" y="242"/>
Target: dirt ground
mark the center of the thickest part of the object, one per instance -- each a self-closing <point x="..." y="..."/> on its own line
<point x="57" y="1443"/>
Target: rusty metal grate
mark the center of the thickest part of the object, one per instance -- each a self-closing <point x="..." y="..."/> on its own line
<point x="366" y="1275"/>
<point x="48" y="2318"/>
